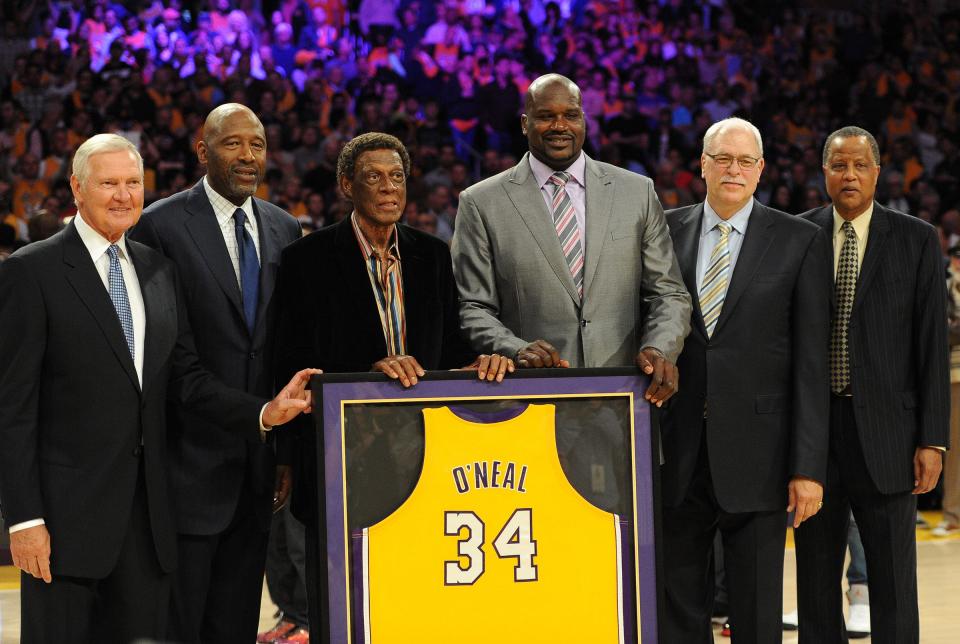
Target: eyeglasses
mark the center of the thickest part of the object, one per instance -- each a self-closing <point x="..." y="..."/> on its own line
<point x="725" y="161"/>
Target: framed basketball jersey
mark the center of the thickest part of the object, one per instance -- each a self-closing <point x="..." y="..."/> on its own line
<point x="473" y="512"/>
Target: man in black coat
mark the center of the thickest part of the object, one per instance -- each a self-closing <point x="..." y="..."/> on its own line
<point x="745" y="438"/>
<point x="382" y="297"/>
<point x="94" y="331"/>
<point x="226" y="245"/>
<point x="890" y="400"/>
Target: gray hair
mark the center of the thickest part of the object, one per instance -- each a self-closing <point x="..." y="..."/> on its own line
<point x="852" y="131"/>
<point x="101" y="144"/>
<point x="732" y="123"/>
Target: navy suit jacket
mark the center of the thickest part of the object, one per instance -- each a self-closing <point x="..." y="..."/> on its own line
<point x="209" y="462"/>
<point x="897" y="338"/>
<point x="73" y="416"/>
<point x="762" y="378"/>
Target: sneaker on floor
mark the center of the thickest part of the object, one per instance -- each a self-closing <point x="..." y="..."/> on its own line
<point x="858" y="625"/>
<point x="274" y="634"/>
<point x="945" y="529"/>
<point x="719" y="620"/>
<point x="299" y="636"/>
<point x="790" y="621"/>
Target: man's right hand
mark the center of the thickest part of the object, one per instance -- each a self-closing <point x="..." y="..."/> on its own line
<point x="406" y="369"/>
<point x="540" y="353"/>
<point x="30" y="550"/>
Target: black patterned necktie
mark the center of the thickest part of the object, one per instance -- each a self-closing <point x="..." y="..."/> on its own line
<point x="844" y="290"/>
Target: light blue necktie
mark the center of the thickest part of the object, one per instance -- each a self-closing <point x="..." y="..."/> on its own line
<point x="118" y="295"/>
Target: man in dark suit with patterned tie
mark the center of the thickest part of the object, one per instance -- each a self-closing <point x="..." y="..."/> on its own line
<point x="95" y="337"/>
<point x="226" y="244"/>
<point x="745" y="438"/>
<point x="890" y="400"/>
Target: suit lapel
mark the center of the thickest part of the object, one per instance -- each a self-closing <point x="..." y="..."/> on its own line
<point x="415" y="277"/>
<point x="205" y="231"/>
<point x="523" y="191"/>
<point x="85" y="280"/>
<point x="355" y="285"/>
<point x="755" y="245"/>
<point x="877" y="236"/>
<point x="687" y="246"/>
<point x="599" y="201"/>
<point x="159" y="303"/>
<point x="270" y="247"/>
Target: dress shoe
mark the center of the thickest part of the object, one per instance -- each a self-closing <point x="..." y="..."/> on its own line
<point x="276" y="633"/>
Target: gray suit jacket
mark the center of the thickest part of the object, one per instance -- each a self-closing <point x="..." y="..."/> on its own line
<point x="515" y="286"/>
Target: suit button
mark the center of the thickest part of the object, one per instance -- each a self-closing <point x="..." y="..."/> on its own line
<point x="138" y="450"/>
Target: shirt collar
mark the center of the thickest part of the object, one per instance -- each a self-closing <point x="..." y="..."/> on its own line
<point x="861" y="223"/>
<point x="366" y="247"/>
<point x="223" y="208"/>
<point x="738" y="221"/>
<point x="96" y="243"/>
<point x="543" y="172"/>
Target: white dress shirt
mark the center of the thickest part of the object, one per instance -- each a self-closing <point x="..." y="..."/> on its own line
<point x="223" y="208"/>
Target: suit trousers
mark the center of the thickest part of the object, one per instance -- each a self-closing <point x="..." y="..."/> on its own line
<point x="951" y="466"/>
<point x="286" y="567"/>
<point x="887" y="529"/>
<point x="130" y="603"/>
<point x="753" y="544"/>
<point x="219" y="581"/>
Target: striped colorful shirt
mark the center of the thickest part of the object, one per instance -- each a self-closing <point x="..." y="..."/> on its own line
<point x="386" y="280"/>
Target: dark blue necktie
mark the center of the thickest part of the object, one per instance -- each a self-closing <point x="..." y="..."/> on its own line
<point x="249" y="269"/>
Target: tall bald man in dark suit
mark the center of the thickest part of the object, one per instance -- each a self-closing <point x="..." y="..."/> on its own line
<point x="890" y="401"/>
<point x="94" y="338"/>
<point x="745" y="438"/>
<point x="226" y="244"/>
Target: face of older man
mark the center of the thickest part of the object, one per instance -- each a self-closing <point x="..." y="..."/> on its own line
<point x="378" y="188"/>
<point x="110" y="199"/>
<point x="731" y="168"/>
<point x="235" y="153"/>
<point x="851" y="175"/>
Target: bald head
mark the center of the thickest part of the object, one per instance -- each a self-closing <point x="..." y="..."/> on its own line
<point x="541" y="83"/>
<point x="213" y="126"/>
<point x="234" y="149"/>
<point x="553" y="121"/>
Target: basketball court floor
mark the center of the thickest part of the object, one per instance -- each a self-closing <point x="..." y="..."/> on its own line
<point x="939" y="575"/>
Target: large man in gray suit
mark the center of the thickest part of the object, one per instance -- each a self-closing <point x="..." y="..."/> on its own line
<point x="566" y="261"/>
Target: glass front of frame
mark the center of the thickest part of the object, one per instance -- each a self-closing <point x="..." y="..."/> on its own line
<point x="467" y="511"/>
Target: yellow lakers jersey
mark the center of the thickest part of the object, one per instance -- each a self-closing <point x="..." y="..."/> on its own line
<point x="493" y="544"/>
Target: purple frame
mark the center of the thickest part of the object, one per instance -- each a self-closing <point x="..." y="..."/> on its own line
<point x="334" y="391"/>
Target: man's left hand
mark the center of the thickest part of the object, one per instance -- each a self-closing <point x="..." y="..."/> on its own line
<point x="805" y="498"/>
<point x="281" y="489"/>
<point x="664" y="375"/>
<point x="927" y="465"/>
<point x="491" y="367"/>
<point x="294" y="399"/>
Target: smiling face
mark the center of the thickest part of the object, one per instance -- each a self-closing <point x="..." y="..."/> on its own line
<point x="554" y="125"/>
<point x="235" y="152"/>
<point x="110" y="199"/>
<point x="378" y="188"/>
<point x="851" y="175"/>
<point x="729" y="189"/>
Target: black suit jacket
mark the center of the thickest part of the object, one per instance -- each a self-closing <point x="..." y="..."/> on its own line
<point x="897" y="338"/>
<point x="329" y="319"/>
<point x="72" y="412"/>
<point x="763" y="376"/>
<point x="209" y="462"/>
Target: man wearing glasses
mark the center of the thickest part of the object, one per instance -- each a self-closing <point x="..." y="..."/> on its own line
<point x="745" y="438"/>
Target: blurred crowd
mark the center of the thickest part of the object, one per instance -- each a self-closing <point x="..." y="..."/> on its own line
<point x="448" y="78"/>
